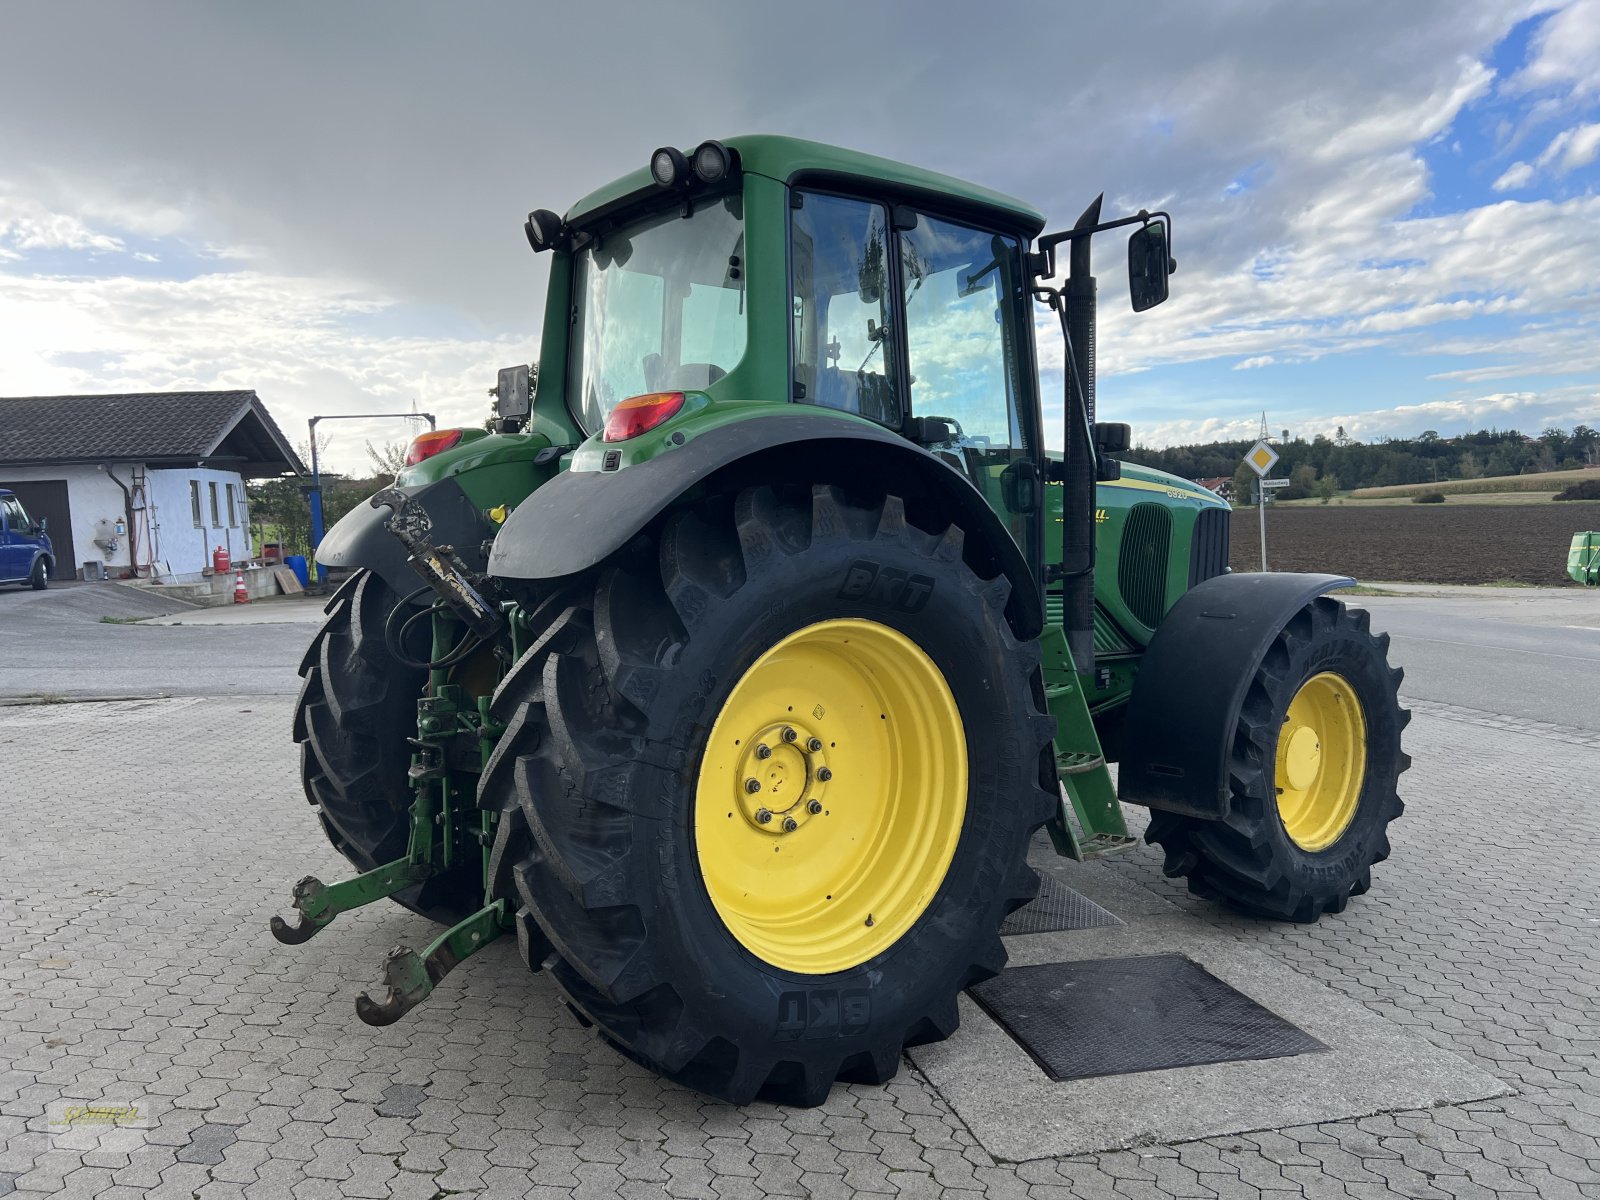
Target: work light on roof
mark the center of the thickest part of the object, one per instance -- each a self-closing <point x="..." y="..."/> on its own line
<point x="711" y="161"/>
<point x="543" y="228"/>
<point x="668" y="167"/>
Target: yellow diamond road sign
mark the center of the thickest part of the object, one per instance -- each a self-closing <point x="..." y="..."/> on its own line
<point x="1261" y="458"/>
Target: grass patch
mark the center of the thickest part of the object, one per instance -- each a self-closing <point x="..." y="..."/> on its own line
<point x="1536" y="481"/>
<point x="1362" y="589"/>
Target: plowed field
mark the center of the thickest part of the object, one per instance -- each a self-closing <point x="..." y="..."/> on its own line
<point x="1418" y="543"/>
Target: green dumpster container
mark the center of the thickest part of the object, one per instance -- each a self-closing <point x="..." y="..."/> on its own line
<point x="1583" y="560"/>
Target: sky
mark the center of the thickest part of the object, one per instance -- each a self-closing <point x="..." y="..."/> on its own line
<point x="1386" y="216"/>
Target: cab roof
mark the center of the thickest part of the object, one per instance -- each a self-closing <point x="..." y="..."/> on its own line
<point x="787" y="159"/>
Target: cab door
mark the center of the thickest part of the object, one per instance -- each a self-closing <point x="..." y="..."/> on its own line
<point x="968" y="354"/>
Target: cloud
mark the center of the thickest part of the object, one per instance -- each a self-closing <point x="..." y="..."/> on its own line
<point x="306" y="347"/>
<point x="1565" y="52"/>
<point x="1572" y="148"/>
<point x="1517" y="175"/>
<point x="26" y="224"/>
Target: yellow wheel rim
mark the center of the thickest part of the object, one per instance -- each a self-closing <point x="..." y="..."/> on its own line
<point x="1321" y="761"/>
<point x="831" y="796"/>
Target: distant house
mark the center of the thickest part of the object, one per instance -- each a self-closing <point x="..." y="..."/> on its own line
<point x="1222" y="485"/>
<point x="146" y="483"/>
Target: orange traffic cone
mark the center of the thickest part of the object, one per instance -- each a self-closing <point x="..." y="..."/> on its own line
<point x="241" y="594"/>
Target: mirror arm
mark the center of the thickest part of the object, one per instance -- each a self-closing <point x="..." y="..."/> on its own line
<point x="1043" y="261"/>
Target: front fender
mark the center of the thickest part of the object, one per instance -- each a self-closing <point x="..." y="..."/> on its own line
<point x="361" y="538"/>
<point x="580" y="518"/>
<point x="1192" y="682"/>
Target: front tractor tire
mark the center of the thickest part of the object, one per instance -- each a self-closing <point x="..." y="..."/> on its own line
<point x="1315" y="763"/>
<point x="780" y="764"/>
<point x="356" y="709"/>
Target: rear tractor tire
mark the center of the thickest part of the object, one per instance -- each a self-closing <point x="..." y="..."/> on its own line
<point x="357" y="707"/>
<point x="780" y="765"/>
<point x="1315" y="763"/>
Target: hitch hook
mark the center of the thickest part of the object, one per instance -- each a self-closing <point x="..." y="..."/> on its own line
<point x="317" y="904"/>
<point x="408" y="977"/>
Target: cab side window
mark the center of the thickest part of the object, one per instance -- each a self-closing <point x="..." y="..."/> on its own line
<point x="16" y="518"/>
<point x="965" y="303"/>
<point x="844" y="352"/>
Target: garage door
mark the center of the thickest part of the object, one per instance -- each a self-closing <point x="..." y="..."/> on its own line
<point x="46" y="500"/>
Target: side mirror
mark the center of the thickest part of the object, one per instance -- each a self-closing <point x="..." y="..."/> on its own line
<point x="1112" y="437"/>
<point x="41" y="526"/>
<point x="1148" y="266"/>
<point x="513" y="400"/>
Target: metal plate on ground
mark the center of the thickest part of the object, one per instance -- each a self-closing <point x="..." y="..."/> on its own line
<point x="1116" y="1016"/>
<point x="1056" y="908"/>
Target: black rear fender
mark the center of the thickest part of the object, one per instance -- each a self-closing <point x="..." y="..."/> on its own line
<point x="580" y="518"/>
<point x="1192" y="681"/>
<point x="361" y="538"/>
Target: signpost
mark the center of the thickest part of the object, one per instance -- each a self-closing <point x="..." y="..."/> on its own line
<point x="1261" y="459"/>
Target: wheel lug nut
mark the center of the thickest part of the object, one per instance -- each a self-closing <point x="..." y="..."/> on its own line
<point x="789" y="734"/>
<point x="752" y="786"/>
<point x="763" y="815"/>
<point x="814" y="745"/>
<point x="763" y="751"/>
<point x="790" y="824"/>
<point x="813" y="807"/>
<point x="824" y="774"/>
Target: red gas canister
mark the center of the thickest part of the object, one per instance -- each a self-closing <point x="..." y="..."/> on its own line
<point x="219" y="561"/>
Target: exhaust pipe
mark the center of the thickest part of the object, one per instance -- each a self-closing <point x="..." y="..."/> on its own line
<point x="1078" y="467"/>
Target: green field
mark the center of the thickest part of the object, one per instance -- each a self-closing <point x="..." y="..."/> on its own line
<point x="1542" y="481"/>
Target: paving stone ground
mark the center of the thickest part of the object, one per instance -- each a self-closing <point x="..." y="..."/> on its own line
<point x="146" y="845"/>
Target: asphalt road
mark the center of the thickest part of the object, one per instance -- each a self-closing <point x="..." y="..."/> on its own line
<point x="1533" y="654"/>
<point x="59" y="643"/>
<point x="1530" y="653"/>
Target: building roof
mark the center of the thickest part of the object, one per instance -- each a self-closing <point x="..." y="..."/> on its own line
<point x="226" y="430"/>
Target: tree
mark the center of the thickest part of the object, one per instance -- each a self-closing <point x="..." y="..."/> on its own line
<point x="1301" y="480"/>
<point x="1327" y="487"/>
<point x="388" y="459"/>
<point x="1244" y="478"/>
<point x="1586" y="443"/>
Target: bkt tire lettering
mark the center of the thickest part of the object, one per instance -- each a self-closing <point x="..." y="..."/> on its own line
<point x="876" y="584"/>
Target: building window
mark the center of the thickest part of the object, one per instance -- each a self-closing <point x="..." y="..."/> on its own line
<point x="194" y="503"/>
<point x="216" y="512"/>
<point x="233" y="510"/>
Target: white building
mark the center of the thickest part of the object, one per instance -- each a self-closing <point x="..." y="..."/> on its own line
<point x="145" y="483"/>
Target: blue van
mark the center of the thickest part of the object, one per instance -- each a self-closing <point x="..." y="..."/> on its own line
<point x="26" y="555"/>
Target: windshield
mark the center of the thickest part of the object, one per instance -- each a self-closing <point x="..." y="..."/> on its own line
<point x="657" y="307"/>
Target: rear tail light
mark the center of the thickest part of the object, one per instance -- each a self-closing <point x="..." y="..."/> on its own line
<point x="426" y="445"/>
<point x="641" y="414"/>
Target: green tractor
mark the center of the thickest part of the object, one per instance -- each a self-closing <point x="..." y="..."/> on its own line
<point x="735" y="671"/>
